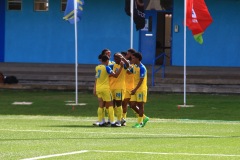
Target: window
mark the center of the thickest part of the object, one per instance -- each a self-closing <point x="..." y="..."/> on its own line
<point x="41" y="5"/>
<point x="14" y="4"/>
<point x="63" y="5"/>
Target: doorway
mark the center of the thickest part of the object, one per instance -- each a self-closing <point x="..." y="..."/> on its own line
<point x="163" y="37"/>
<point x="156" y="37"/>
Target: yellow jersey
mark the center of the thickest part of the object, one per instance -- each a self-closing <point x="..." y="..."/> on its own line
<point x="102" y="77"/>
<point x="140" y="72"/>
<point x="129" y="79"/>
<point x="119" y="82"/>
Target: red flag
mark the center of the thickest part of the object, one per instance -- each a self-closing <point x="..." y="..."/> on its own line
<point x="198" y="18"/>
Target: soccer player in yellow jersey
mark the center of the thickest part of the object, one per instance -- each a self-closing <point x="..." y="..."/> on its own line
<point x="129" y="81"/>
<point x="139" y="93"/>
<point x="102" y="89"/>
<point x="117" y="85"/>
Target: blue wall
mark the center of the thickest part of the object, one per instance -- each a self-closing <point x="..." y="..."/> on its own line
<point x="2" y="29"/>
<point x="43" y="37"/>
<point x="221" y="39"/>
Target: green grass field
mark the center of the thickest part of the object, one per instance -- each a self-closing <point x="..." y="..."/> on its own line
<point x="50" y="129"/>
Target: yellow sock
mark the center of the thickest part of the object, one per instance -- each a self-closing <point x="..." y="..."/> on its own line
<point x="111" y="114"/>
<point x="144" y="116"/>
<point x="107" y="112"/>
<point x="124" y="115"/>
<point x="100" y="111"/>
<point x="103" y="113"/>
<point x="115" y="111"/>
<point x="140" y="120"/>
<point x="119" y="113"/>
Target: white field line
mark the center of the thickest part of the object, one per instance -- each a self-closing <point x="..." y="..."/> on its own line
<point x="56" y="155"/>
<point x="132" y="152"/>
<point x="117" y="133"/>
<point x="153" y="120"/>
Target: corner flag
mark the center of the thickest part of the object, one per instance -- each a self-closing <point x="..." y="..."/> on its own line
<point x="69" y="11"/>
<point x="198" y="18"/>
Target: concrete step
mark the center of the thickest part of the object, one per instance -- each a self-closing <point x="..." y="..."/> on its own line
<point x="62" y="76"/>
<point x="196" y="88"/>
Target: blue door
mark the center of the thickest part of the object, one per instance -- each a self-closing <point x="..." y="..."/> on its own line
<point x="147" y="37"/>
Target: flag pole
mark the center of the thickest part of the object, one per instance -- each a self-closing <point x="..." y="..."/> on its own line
<point x="184" y="51"/>
<point x="131" y="34"/>
<point x="76" y="51"/>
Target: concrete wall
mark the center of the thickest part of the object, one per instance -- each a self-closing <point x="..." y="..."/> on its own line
<point x="221" y="39"/>
<point x="44" y="37"/>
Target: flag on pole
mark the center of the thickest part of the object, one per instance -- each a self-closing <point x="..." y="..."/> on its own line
<point x="138" y="15"/>
<point x="198" y="18"/>
<point x="69" y="11"/>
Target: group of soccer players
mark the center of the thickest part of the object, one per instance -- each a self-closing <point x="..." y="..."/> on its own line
<point x="119" y="84"/>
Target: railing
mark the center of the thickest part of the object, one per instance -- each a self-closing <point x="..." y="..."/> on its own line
<point x="157" y="69"/>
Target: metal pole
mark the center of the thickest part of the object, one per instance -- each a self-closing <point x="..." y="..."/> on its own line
<point x="184" y="48"/>
<point x="76" y="51"/>
<point x="131" y="34"/>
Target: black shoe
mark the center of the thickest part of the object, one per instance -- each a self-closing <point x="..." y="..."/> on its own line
<point x="116" y="125"/>
<point x="123" y="122"/>
<point x="102" y="125"/>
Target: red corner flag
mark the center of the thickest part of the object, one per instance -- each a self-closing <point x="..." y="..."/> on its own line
<point x="198" y="18"/>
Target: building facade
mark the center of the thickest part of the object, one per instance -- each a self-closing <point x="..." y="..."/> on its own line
<point x="34" y="36"/>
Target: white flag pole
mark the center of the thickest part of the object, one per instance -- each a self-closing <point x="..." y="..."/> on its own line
<point x="76" y="51"/>
<point x="131" y="34"/>
<point x="184" y="49"/>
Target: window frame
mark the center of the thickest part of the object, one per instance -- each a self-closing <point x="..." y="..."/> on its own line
<point x="63" y="2"/>
<point x="15" y="2"/>
<point x="41" y="2"/>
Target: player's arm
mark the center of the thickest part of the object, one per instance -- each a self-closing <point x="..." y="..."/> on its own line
<point x="94" y="88"/>
<point x="112" y="73"/>
<point x="138" y="85"/>
<point x="142" y="76"/>
<point x="130" y="70"/>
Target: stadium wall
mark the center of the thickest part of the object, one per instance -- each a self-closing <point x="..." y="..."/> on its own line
<point x="44" y="37"/>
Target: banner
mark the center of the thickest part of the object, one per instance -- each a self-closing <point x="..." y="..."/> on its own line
<point x="198" y="18"/>
<point x="69" y="11"/>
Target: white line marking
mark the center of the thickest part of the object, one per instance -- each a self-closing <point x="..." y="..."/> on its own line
<point x="132" y="152"/>
<point x="118" y="133"/>
<point x="92" y="119"/>
<point x="56" y="155"/>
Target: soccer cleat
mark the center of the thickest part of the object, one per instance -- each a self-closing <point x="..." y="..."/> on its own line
<point x="123" y="122"/>
<point x="137" y="125"/>
<point x="102" y="125"/>
<point x="96" y="123"/>
<point x="116" y="125"/>
<point x="145" y="120"/>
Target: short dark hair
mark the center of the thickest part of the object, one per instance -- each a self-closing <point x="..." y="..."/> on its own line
<point x="105" y="58"/>
<point x="100" y="56"/>
<point x="124" y="53"/>
<point x="104" y="51"/>
<point x="131" y="51"/>
<point x="138" y="55"/>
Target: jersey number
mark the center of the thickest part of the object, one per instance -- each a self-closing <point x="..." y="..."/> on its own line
<point x="98" y="73"/>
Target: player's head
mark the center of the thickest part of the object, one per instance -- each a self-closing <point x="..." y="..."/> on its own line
<point x="124" y="54"/>
<point x="136" y="57"/>
<point x="100" y="57"/>
<point x="117" y="59"/>
<point x="129" y="53"/>
<point x="106" y="52"/>
<point x="105" y="58"/>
